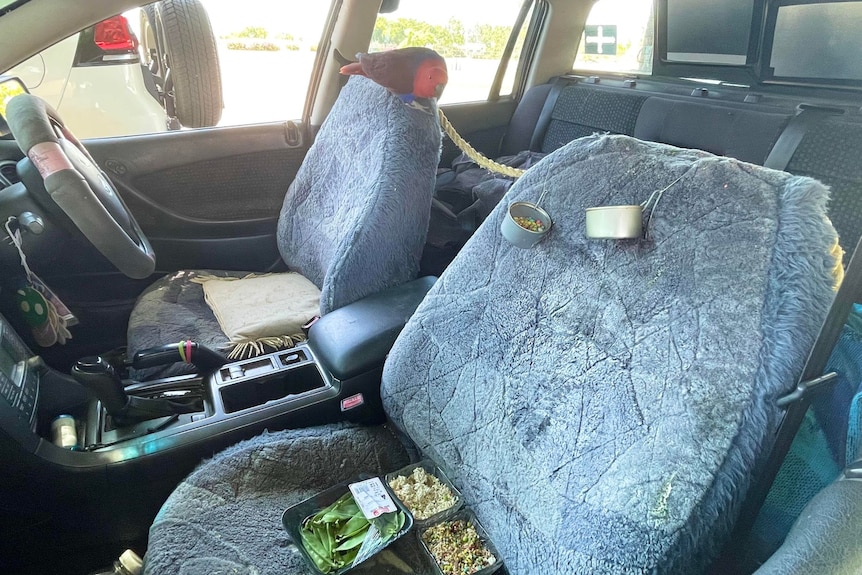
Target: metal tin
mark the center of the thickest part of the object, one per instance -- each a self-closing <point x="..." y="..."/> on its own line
<point x="522" y="237"/>
<point x="64" y="432"/>
<point x="615" y="222"/>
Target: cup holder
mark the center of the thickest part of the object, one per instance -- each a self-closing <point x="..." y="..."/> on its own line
<point x="257" y="391"/>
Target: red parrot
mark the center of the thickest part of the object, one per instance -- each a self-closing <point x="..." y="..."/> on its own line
<point x="409" y="73"/>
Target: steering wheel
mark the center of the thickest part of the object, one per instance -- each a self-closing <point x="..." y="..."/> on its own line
<point x="78" y="186"/>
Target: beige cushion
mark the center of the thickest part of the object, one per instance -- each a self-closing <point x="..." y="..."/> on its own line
<point x="261" y="310"/>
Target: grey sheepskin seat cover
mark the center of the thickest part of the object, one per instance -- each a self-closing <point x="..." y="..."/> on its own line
<point x="354" y="220"/>
<point x="602" y="405"/>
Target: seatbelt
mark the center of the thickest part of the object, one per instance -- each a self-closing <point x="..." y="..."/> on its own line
<point x="799" y="400"/>
<point x="782" y="151"/>
<point x="547" y="111"/>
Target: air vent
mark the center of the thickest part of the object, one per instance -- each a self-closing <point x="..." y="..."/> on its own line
<point x="8" y="174"/>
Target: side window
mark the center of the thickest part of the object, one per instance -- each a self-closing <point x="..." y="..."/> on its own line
<point x="618" y="37"/>
<point x="181" y="64"/>
<point x="472" y="36"/>
<point x="266" y="52"/>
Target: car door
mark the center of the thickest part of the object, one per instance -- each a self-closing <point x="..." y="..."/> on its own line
<point x="207" y="177"/>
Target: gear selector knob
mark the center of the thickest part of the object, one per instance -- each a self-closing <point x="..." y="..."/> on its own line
<point x="99" y="377"/>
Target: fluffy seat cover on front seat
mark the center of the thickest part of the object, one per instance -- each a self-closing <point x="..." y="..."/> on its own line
<point x="354" y="220"/>
<point x="602" y="405"/>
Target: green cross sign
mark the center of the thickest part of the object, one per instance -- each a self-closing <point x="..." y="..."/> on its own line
<point x="600" y="40"/>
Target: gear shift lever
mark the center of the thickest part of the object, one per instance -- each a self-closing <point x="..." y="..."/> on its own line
<point x="99" y="377"/>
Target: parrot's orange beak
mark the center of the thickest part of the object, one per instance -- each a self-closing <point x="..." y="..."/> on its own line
<point x="439" y="78"/>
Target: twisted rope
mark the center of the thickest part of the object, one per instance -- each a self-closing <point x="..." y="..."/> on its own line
<point x="473" y="154"/>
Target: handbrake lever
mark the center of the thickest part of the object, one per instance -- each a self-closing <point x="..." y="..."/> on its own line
<point x="199" y="355"/>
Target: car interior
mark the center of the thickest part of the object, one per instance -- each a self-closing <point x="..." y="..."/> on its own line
<point x="673" y="391"/>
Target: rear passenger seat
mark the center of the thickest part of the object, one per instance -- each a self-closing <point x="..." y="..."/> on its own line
<point x="726" y="121"/>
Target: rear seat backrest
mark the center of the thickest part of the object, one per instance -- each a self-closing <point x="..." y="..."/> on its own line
<point x="582" y="111"/>
<point x="831" y="151"/>
<point x="746" y="135"/>
<point x="525" y="120"/>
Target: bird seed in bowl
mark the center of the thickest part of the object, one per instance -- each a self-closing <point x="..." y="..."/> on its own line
<point x="422" y="493"/>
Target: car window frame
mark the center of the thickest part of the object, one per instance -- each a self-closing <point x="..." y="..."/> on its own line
<point x="528" y="50"/>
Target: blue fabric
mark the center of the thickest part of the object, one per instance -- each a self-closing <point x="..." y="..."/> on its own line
<point x="828" y="439"/>
<point x="604" y="405"/>
<point x="833" y="409"/>
<point x="854" y="429"/>
<point x="354" y="220"/>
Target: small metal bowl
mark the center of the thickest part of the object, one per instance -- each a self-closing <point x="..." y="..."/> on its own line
<point x="520" y="236"/>
<point x="615" y="222"/>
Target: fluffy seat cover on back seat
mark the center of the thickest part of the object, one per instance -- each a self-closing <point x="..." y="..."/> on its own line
<point x="602" y="405"/>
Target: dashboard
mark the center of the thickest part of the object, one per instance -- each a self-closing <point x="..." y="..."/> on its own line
<point x="19" y="380"/>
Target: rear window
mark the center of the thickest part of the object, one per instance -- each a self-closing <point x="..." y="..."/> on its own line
<point x="618" y="37"/>
<point x="709" y="32"/>
<point x="818" y="41"/>
<point x="749" y="42"/>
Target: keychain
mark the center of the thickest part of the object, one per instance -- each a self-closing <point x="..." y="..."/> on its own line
<point x="47" y="316"/>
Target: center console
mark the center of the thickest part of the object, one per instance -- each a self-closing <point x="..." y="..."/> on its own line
<point x="119" y="473"/>
<point x="334" y="376"/>
<point x="281" y="390"/>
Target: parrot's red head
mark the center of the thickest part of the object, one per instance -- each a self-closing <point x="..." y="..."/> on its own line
<point x="430" y="79"/>
<point x="412" y="72"/>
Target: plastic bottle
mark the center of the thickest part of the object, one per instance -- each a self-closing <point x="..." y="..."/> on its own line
<point x="129" y="563"/>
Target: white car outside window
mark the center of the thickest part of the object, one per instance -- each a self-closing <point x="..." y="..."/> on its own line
<point x="96" y="81"/>
<point x="149" y="70"/>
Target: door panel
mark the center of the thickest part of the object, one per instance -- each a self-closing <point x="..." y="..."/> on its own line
<point x="206" y="198"/>
<point x="481" y="124"/>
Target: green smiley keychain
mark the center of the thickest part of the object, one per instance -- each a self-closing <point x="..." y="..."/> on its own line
<point x="35" y="310"/>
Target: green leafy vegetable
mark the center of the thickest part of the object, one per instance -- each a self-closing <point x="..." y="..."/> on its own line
<point x="389" y="524"/>
<point x="334" y="535"/>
